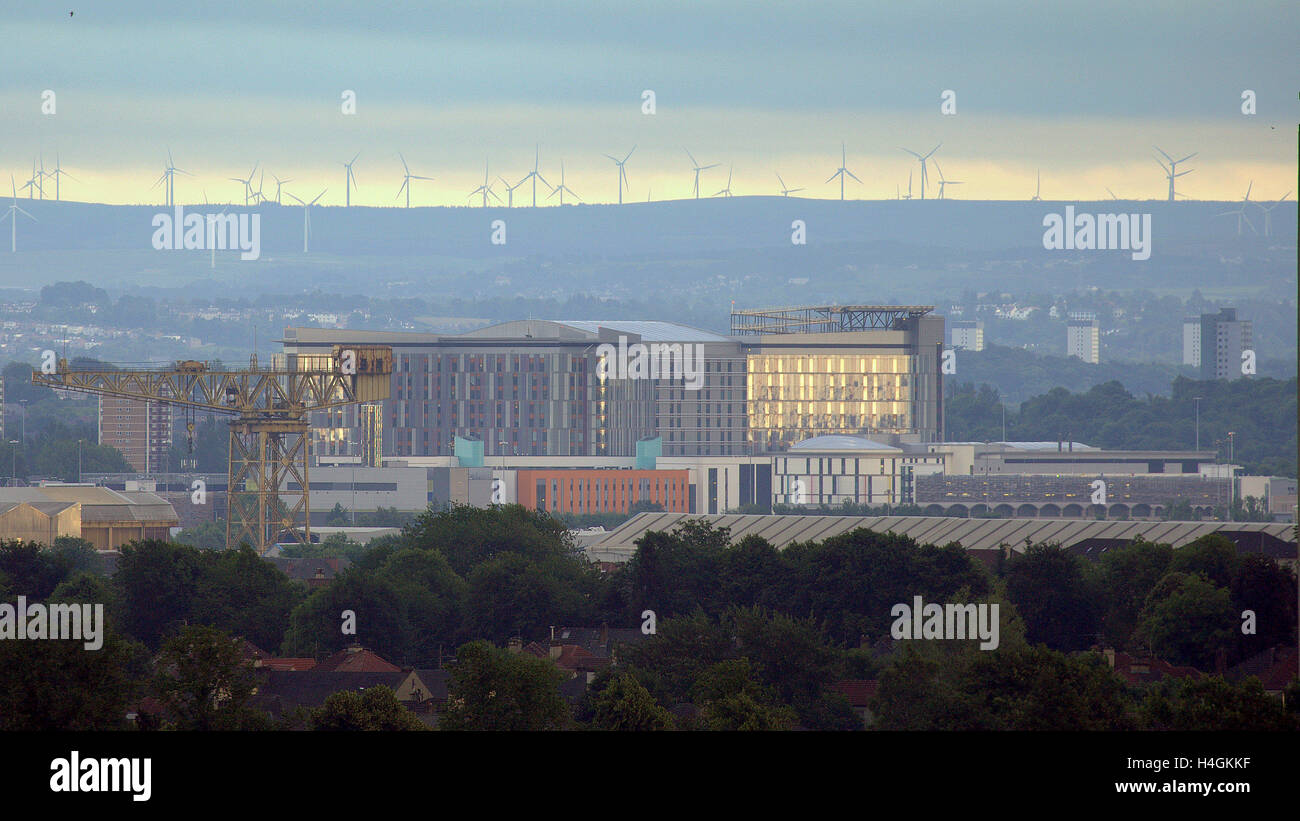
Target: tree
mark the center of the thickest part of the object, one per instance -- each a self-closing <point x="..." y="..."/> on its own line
<point x="376" y="708"/>
<point x="381" y="622"/>
<point x="1210" y="703"/>
<point x="61" y="686"/>
<point x="730" y="698"/>
<point x="467" y="536"/>
<point x="203" y="682"/>
<point x="624" y="704"/>
<point x="1212" y="556"/>
<point x="512" y="595"/>
<point x="1124" y="577"/>
<point x="158" y="582"/>
<point x="1269" y="591"/>
<point x="492" y="689"/>
<point x="337" y="516"/>
<point x="246" y="595"/>
<point x="1048" y="588"/>
<point x="204" y="535"/>
<point x="1187" y="620"/>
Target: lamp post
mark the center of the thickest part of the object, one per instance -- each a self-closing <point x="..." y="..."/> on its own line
<point x="1197" y="400"/>
<point x="13" y="463"/>
<point x="1232" y="473"/>
<point x="79" y="441"/>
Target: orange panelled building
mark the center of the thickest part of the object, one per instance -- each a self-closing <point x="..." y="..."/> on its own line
<point x="603" y="491"/>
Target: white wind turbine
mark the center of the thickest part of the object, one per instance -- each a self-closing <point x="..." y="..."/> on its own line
<point x="211" y="220"/>
<point x="726" y="192"/>
<point x="247" y="183"/>
<point x="698" y="168"/>
<point x="278" y="182"/>
<point x="1038" y="188"/>
<point x="924" y="176"/>
<point x="349" y="180"/>
<point x="1172" y="171"/>
<point x="56" y="173"/>
<point x="534" y="175"/>
<point x="942" y="181"/>
<point x="306" y="215"/>
<point x="485" y="188"/>
<point x="842" y="171"/>
<point x="406" y="179"/>
<point x="13" y="213"/>
<point x="510" y="189"/>
<point x="622" y="173"/>
<point x="168" y="175"/>
<point x="1240" y="212"/>
<point x="1268" y="212"/>
<point x="33" y="183"/>
<point x="561" y="188"/>
<point x="785" y="192"/>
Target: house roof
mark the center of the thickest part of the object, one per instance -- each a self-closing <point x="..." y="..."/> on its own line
<point x="356" y="659"/>
<point x="287" y="664"/>
<point x="1274" y="667"/>
<point x="282" y="690"/>
<point x="1138" y="670"/>
<point x="859" y="692"/>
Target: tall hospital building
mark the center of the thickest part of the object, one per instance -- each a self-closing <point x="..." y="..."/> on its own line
<point x="596" y="388"/>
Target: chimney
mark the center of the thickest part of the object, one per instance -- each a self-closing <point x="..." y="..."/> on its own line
<point x="556" y="649"/>
<point x="1110" y="656"/>
<point x="515" y="645"/>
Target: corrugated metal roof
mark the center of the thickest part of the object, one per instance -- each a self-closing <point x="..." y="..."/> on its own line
<point x="974" y="534"/>
<point x="648" y="330"/>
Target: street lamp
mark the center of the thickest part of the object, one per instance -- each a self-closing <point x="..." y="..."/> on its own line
<point x="1197" y="400"/>
<point x="79" y="441"/>
<point x="13" y="463"/>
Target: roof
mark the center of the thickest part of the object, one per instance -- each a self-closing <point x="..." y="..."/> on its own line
<point x="98" y="504"/>
<point x="839" y="441"/>
<point x="1274" y="667"/>
<point x="648" y="330"/>
<point x="859" y="692"/>
<point x="309" y="568"/>
<point x="286" y="664"/>
<point x="356" y="659"/>
<point x="974" y="534"/>
<point x="281" y="691"/>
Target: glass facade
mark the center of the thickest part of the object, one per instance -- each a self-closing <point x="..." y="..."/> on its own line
<point x="792" y="396"/>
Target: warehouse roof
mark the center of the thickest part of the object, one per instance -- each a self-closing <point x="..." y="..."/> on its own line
<point x="973" y="534"/>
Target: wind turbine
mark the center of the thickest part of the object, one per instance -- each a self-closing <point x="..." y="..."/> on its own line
<point x="33" y="183"/>
<point x="247" y="183"/>
<point x="349" y="180"/>
<point x="306" y="215"/>
<point x="44" y="175"/>
<point x="698" y="168"/>
<point x="58" y="170"/>
<point x="785" y="192"/>
<point x="534" y="175"/>
<point x="211" y="220"/>
<point x="1172" y="171"/>
<point x="841" y="171"/>
<point x="1112" y="194"/>
<point x="258" y="198"/>
<point x="13" y="213"/>
<point x="1241" y="211"/>
<point x="942" y="181"/>
<point x="510" y="190"/>
<point x="406" y="179"/>
<point x="622" y="173"/>
<point x="726" y="192"/>
<point x="485" y="188"/>
<point x="561" y="188"/>
<point x="1037" y="188"/>
<point x="278" y="182"/>
<point x="168" y="175"/>
<point x="924" y="175"/>
<point x="1268" y="215"/>
<point x="909" y="185"/>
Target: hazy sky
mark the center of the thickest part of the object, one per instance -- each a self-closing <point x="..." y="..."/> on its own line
<point x="1080" y="90"/>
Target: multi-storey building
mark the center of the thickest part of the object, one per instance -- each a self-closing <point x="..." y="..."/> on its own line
<point x="140" y="429"/>
<point x="968" y="334"/>
<point x="596" y="388"/>
<point x="1223" y="338"/>
<point x="1083" y="337"/>
<point x="1192" y="341"/>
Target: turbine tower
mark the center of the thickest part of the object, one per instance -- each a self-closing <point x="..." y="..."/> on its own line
<point x="306" y="215"/>
<point x="510" y="190"/>
<point x="406" y="179"/>
<point x="33" y="183"/>
<point x="909" y="185"/>
<point x="13" y="213"/>
<point x="561" y="188"/>
<point x="924" y="176"/>
<point x="485" y="188"/>
<point x="168" y="176"/>
<point x="622" y="173"/>
<point x="278" y="182"/>
<point x="1268" y="212"/>
<point x="247" y="183"/>
<point x="1037" y="188"/>
<point x="349" y="180"/>
<point x="942" y="181"/>
<point x="785" y="192"/>
<point x="842" y="171"/>
<point x="1172" y="171"/>
<point x="698" y="168"/>
<point x="1240" y="212"/>
<point x="58" y="170"/>
<point x="534" y="176"/>
<point x="726" y="192"/>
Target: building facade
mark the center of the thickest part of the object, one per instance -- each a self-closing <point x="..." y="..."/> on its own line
<point x="1192" y="341"/>
<point x="140" y="429"/>
<point x="1223" y="338"/>
<point x="968" y="334"/>
<point x="1083" y="338"/>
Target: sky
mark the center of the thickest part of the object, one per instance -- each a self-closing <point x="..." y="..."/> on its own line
<point x="1078" y="92"/>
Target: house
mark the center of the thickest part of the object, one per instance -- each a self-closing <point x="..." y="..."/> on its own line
<point x="356" y="659"/>
<point x="1145" y="670"/>
<point x="314" y="572"/>
<point x="859" y="693"/>
<point x="283" y="691"/>
<point x="1275" y="667"/>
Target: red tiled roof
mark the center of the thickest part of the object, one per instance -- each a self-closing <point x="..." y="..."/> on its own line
<point x="356" y="660"/>
<point x="1139" y="670"/>
<point x="575" y="657"/>
<point x="859" y="692"/>
<point x="535" y="649"/>
<point x="1273" y="667"/>
<point x="288" y="664"/>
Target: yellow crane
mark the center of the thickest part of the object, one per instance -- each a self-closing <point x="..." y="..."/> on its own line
<point x="267" y="484"/>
